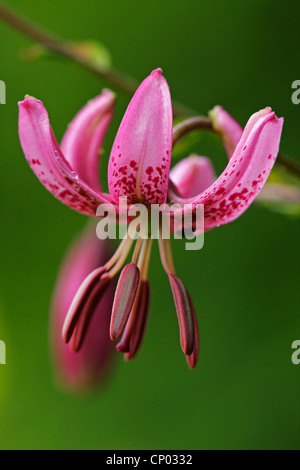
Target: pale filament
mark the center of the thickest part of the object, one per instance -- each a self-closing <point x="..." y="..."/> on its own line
<point x="166" y="253"/>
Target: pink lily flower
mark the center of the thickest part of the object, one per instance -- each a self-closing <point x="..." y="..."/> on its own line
<point x="195" y="174"/>
<point x="86" y="369"/>
<point x="231" y="132"/>
<point x="252" y="153"/>
<point x="61" y="169"/>
<point x="138" y="170"/>
<point x="192" y="175"/>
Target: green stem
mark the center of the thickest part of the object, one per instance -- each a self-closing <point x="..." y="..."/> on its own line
<point x="61" y="47"/>
<point x="200" y="123"/>
<point x="288" y="164"/>
<point x="112" y="75"/>
<point x="117" y="78"/>
<point x="189" y="125"/>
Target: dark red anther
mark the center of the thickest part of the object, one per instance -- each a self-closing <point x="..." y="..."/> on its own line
<point x="192" y="359"/>
<point x="140" y="326"/>
<point x="184" y="309"/>
<point x="87" y="312"/>
<point x="124" y="298"/>
<point x="135" y="328"/>
<point x="81" y="298"/>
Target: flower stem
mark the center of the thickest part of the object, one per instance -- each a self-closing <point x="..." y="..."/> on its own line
<point x="144" y="258"/>
<point x="61" y="47"/>
<point x="165" y="252"/>
<point x="189" y="125"/>
<point x="204" y="123"/>
<point x="288" y="164"/>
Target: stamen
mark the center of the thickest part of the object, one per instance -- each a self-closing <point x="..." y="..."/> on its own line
<point x="117" y="254"/>
<point x="141" y="320"/>
<point x="89" y="293"/>
<point x="87" y="313"/>
<point x="121" y="259"/>
<point x="124" y="298"/>
<point x="184" y="313"/>
<point x="79" y="302"/>
<point x="166" y="255"/>
<point x="138" y="311"/>
<point x="137" y="250"/>
<point x="184" y="307"/>
<point x="193" y="358"/>
<point x="135" y="327"/>
<point x="144" y="258"/>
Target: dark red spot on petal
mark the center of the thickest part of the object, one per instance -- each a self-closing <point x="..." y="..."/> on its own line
<point x="220" y="191"/>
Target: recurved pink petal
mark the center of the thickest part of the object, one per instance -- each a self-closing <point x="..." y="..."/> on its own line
<point x="247" y="171"/>
<point x="141" y="154"/>
<point x="82" y="142"/>
<point x="229" y="129"/>
<point x="49" y="164"/>
<point x="86" y="368"/>
<point x="192" y="175"/>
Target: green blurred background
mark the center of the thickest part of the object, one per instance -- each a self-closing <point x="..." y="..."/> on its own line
<point x="244" y="393"/>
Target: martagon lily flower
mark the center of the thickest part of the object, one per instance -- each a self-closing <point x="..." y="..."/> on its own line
<point x="138" y="170"/>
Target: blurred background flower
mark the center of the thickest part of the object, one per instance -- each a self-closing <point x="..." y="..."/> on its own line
<point x="87" y="369"/>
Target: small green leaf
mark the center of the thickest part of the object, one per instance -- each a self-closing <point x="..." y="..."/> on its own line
<point x="36" y="52"/>
<point x="278" y="175"/>
<point x="281" y="193"/>
<point x="291" y="209"/>
<point x="93" y="51"/>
